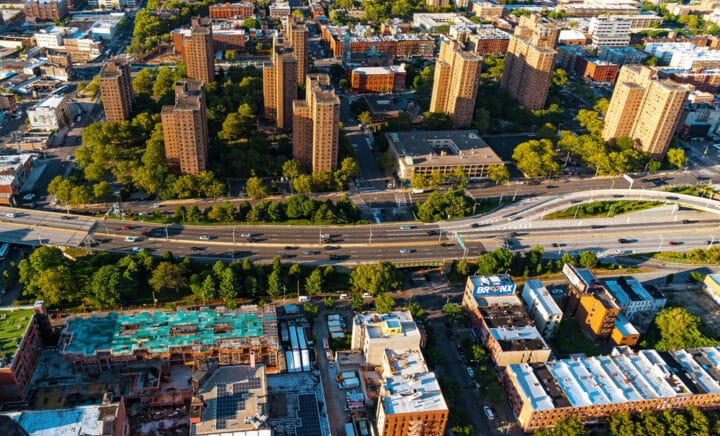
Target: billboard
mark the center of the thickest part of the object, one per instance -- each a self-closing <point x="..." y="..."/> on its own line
<point x="494" y="289"/>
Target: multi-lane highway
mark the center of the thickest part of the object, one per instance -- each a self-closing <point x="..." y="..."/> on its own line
<point x="519" y="227"/>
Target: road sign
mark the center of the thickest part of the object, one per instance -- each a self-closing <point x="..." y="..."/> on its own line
<point x="459" y="240"/>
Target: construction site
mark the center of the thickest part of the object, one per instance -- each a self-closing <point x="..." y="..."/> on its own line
<point x="183" y="337"/>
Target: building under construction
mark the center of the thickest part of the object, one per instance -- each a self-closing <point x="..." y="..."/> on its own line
<point x="187" y="337"/>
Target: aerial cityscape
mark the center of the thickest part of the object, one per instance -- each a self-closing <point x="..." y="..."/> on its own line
<point x="360" y="217"/>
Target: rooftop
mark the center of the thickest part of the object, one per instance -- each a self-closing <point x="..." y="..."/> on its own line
<point x="13" y="324"/>
<point x="51" y="102"/>
<point x="452" y="148"/>
<point x="518" y="338"/>
<point x="161" y="332"/>
<point x="379" y="70"/>
<point x="235" y="399"/>
<point x="80" y="420"/>
<point x="628" y="289"/>
<point x="540" y="294"/>
<point x="418" y="392"/>
<point x="625" y="326"/>
<point x="505" y="315"/>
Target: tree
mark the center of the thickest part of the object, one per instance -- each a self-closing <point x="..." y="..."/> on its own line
<point x="621" y="425"/>
<point x="384" y="303"/>
<point x="143" y="82"/>
<point x="329" y="303"/>
<point x="417" y="312"/>
<point x="559" y="77"/>
<point x="498" y="174"/>
<point x="232" y="127"/>
<point x="310" y="311"/>
<point x="483" y="120"/>
<point x="249" y="23"/>
<point x="255" y="188"/>
<point x="536" y="158"/>
<point x="601" y="106"/>
<point x="105" y="286"/>
<point x="356" y="301"/>
<point x="567" y="427"/>
<point x="376" y="278"/>
<point x="453" y="311"/>
<point x="676" y="157"/>
<point x="102" y="192"/>
<point x="229" y="287"/>
<point x="314" y="282"/>
<point x="166" y="276"/>
<point x="588" y="259"/>
<point x="679" y="329"/>
<point x="275" y="285"/>
<point x="591" y="121"/>
<point x="164" y="83"/>
<point x="291" y="168"/>
<point x="365" y="118"/>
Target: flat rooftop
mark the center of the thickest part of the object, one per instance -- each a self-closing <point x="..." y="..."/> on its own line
<point x="505" y="316"/>
<point x="161" y="332"/>
<point x="414" y="393"/>
<point x="625" y="326"/>
<point x="50" y="102"/>
<point x="540" y="294"/>
<point x="628" y="289"/>
<point x="13" y="324"/>
<point x="452" y="148"/>
<point x="519" y="338"/>
<point x="80" y="420"/>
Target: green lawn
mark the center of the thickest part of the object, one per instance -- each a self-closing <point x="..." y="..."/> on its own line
<point x="569" y="339"/>
<point x="602" y="209"/>
<point x="12" y="326"/>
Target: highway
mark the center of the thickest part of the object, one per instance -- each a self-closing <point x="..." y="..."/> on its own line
<point x="518" y="227"/>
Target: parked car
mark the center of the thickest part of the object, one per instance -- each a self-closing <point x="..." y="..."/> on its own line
<point x="489" y="413"/>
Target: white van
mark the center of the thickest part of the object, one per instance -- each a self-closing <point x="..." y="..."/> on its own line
<point x="303" y="298"/>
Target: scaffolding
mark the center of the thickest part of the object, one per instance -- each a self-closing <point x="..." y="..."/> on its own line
<point x="184" y="336"/>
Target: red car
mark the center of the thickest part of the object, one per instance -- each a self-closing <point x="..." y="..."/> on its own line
<point x="145" y="233"/>
<point x="126" y="227"/>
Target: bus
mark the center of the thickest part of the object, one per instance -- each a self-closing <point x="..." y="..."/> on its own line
<point x="4" y="248"/>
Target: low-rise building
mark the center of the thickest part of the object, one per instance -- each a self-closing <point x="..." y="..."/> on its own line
<point x="378" y="79"/>
<point x="22" y="328"/>
<point x="38" y="11"/>
<point x="411" y="401"/>
<point x="501" y="322"/>
<point x="240" y="10"/>
<point x="572" y="38"/>
<point x="105" y="29"/>
<point x="232" y="400"/>
<point x="594" y="388"/>
<point x="624" y="332"/>
<point x="622" y="55"/>
<point x="421" y="152"/>
<point x="637" y="303"/>
<point x="373" y="333"/>
<point x="488" y="39"/>
<point x="431" y="21"/>
<point x="541" y="307"/>
<point x="14" y="171"/>
<point x="359" y="40"/>
<point x="108" y="418"/>
<point x="49" y="114"/>
<point x="279" y="9"/>
<point x="486" y="10"/>
<point x="596" y="70"/>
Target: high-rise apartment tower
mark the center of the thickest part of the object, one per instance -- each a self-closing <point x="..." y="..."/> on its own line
<point x="185" y="129"/>
<point x="530" y="61"/>
<point x="315" y="125"/>
<point x="457" y="74"/>
<point x="645" y="109"/>
<point x="280" y="84"/>
<point x="198" y="51"/>
<point x="116" y="89"/>
<point x="296" y="34"/>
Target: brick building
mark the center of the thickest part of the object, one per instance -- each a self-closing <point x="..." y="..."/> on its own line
<point x="378" y="79"/>
<point x="116" y="89"/>
<point x="596" y="70"/>
<point x="39" y="11"/>
<point x="185" y="129"/>
<point x="239" y="10"/>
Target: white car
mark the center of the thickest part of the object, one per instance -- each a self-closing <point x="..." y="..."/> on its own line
<point x="137" y="249"/>
<point x="366" y="295"/>
<point x="10" y="215"/>
<point x="406" y="227"/>
<point x="489" y="413"/>
<point x="204" y="238"/>
<point x="246" y="235"/>
<point x="405" y="251"/>
<point x="470" y="372"/>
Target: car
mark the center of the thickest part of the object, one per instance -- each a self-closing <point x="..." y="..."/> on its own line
<point x="475" y="225"/>
<point x="251" y="240"/>
<point x="238" y="253"/>
<point x="325" y="235"/>
<point x="332" y="247"/>
<point x="64" y="217"/>
<point x="686" y="221"/>
<point x="344" y="297"/>
<point x="470" y="372"/>
<point x="145" y="233"/>
<point x="406" y="227"/>
<point x="246" y="235"/>
<point x="290" y="247"/>
<point x="137" y="249"/>
<point x="366" y="295"/>
<point x="29" y="197"/>
<point x="337" y="257"/>
<point x="674" y="243"/>
<point x="433" y="232"/>
<point x="406" y="251"/>
<point x="155" y="205"/>
<point x="624" y="241"/>
<point x="488" y="413"/>
<point x="125" y="228"/>
<point x="10" y="215"/>
<point x="512" y="217"/>
<point x="286" y="255"/>
<point x="205" y="237"/>
<point x="713" y="241"/>
<point x="555" y="244"/>
<point x="130" y="239"/>
<point x="197" y="248"/>
<point x="311" y="252"/>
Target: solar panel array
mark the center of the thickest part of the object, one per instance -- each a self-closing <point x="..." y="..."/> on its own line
<point x="309" y="416"/>
<point x="227" y="405"/>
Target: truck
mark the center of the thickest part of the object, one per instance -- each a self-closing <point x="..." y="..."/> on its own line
<point x="348" y="374"/>
<point x="349" y="383"/>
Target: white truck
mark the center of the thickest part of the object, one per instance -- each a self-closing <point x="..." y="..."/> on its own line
<point x="350" y="383"/>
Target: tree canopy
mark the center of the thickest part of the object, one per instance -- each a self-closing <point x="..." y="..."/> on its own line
<point x="376" y="278"/>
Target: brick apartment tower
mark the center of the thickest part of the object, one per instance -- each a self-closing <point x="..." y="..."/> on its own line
<point x="185" y="129"/>
<point x="530" y="61"/>
<point x="645" y="109"/>
<point x="116" y="89"/>
<point x="296" y="34"/>
<point x="457" y="74"/>
<point x="315" y="125"/>
<point x="280" y="85"/>
<point x="198" y="51"/>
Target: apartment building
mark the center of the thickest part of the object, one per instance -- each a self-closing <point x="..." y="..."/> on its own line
<point x="342" y="40"/>
<point x="610" y="31"/>
<point x="639" y="304"/>
<point x="596" y="70"/>
<point x="378" y="79"/>
<point x="296" y="34"/>
<point x="225" y="11"/>
<point x="487" y="39"/>
<point x="39" y="11"/>
<point x="185" y="129"/>
<point x="116" y="90"/>
<point x="199" y="52"/>
<point x="541" y="307"/>
<point x="645" y="109"/>
<point x="411" y="402"/>
<point x="589" y="302"/>
<point x="24" y="328"/>
<point x="530" y="61"/>
<point x="455" y="83"/>
<point x="316" y="134"/>
<point x="243" y="336"/>
<point x="593" y="388"/>
<point x="280" y="85"/>
<point x="374" y="333"/>
<point x="501" y="322"/>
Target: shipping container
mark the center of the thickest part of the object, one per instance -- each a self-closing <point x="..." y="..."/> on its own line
<point x="301" y="338"/>
<point x="337" y="335"/>
<point x="305" y="354"/>
<point x="284" y="332"/>
<point x="289" y="361"/>
<point x="293" y="338"/>
<point x="297" y="361"/>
